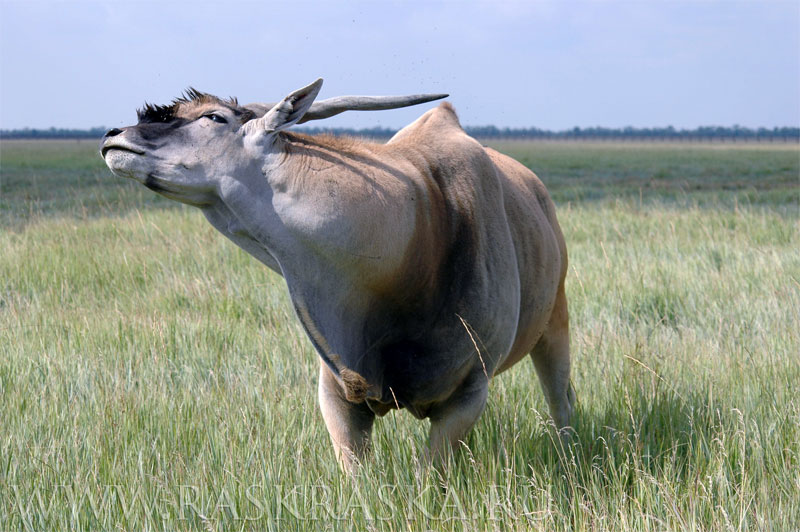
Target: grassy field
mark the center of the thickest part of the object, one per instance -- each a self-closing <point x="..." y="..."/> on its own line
<point x="153" y="376"/>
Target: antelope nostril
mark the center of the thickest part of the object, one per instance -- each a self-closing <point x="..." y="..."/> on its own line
<point x="113" y="132"/>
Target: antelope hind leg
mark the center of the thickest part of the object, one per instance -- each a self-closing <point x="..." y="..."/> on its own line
<point x="552" y="362"/>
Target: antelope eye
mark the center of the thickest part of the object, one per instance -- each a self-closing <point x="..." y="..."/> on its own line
<point x="216" y="118"/>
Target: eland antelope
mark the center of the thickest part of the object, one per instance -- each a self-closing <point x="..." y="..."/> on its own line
<point x="420" y="268"/>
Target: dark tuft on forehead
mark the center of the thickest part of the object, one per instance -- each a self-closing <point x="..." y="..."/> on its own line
<point x="151" y="113"/>
<point x="155" y="113"/>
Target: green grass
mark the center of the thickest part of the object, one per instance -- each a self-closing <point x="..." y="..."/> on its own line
<point x="683" y="173"/>
<point x="153" y="376"/>
<point x="52" y="179"/>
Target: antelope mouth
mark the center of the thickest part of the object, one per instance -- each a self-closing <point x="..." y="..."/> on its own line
<point x="119" y="147"/>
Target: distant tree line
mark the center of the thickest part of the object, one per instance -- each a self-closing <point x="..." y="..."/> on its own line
<point x="53" y="133"/>
<point x="700" y="134"/>
<point x="704" y="133"/>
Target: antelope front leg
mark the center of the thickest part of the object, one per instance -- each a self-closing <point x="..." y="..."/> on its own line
<point x="349" y="424"/>
<point x="452" y="419"/>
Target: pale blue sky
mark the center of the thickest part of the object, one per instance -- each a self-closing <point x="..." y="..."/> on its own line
<point x="547" y="64"/>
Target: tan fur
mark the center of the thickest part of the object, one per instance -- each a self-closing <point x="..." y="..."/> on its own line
<point x="387" y="176"/>
<point x="419" y="268"/>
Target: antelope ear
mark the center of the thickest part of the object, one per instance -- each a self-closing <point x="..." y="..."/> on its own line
<point x="291" y="109"/>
